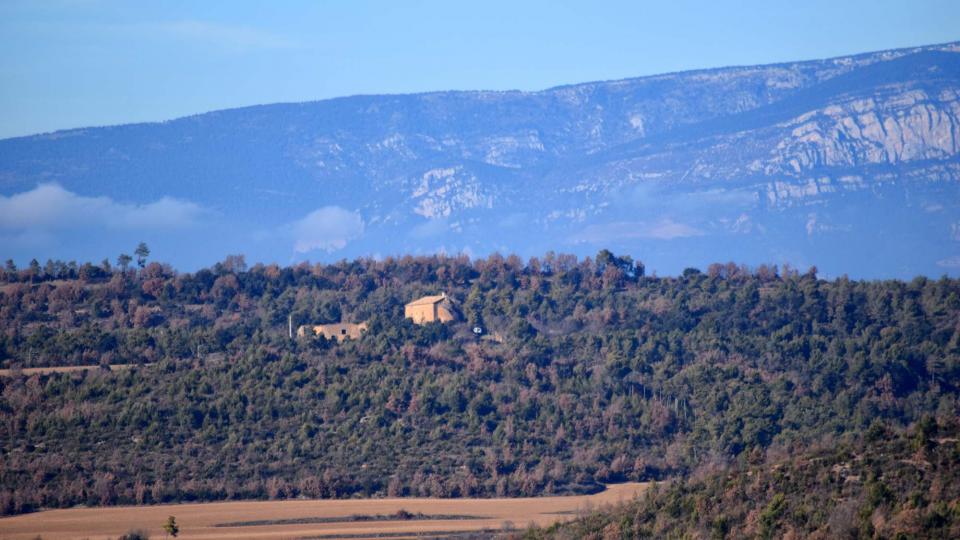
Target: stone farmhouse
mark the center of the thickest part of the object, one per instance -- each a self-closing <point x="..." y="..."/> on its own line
<point x="431" y="308"/>
<point x="424" y="310"/>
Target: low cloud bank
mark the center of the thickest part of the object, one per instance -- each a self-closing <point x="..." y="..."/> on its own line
<point x="665" y="229"/>
<point x="329" y="228"/>
<point x="50" y="207"/>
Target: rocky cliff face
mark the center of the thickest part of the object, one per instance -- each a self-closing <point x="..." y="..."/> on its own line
<point x="905" y="126"/>
<point x="790" y="162"/>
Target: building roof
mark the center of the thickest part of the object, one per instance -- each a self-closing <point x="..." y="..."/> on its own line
<point x="427" y="300"/>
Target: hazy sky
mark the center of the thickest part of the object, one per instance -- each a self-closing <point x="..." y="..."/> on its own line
<point x="72" y="63"/>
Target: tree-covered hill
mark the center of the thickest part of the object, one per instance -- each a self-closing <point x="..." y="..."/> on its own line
<point x="880" y="484"/>
<point x="590" y="372"/>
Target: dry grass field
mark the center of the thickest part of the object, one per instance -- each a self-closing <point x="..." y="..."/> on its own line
<point x="59" y="369"/>
<point x="198" y="521"/>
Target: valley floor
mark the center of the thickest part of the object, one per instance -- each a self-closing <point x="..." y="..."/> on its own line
<point x="199" y="521"/>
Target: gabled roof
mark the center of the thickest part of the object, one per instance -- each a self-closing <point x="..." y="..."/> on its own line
<point x="428" y="300"/>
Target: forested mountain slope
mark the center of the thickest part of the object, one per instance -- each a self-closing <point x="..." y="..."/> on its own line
<point x="882" y="484"/>
<point x="591" y="372"/>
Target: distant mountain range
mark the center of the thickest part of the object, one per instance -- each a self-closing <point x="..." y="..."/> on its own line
<point x="850" y="164"/>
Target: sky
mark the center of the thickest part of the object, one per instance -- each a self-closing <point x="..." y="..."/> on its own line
<point x="77" y="63"/>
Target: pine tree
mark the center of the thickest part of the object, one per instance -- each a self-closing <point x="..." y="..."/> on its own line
<point x="142" y="252"/>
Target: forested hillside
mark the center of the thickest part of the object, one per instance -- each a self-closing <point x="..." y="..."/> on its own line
<point x="880" y="484"/>
<point x="590" y="371"/>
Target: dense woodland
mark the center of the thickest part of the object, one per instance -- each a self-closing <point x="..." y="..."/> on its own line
<point x="878" y="484"/>
<point x="589" y="372"/>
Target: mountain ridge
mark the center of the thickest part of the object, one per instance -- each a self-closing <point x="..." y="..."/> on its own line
<point x="951" y="45"/>
<point x="779" y="145"/>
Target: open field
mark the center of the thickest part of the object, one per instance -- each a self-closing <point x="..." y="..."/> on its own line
<point x="198" y="521"/>
<point x="60" y="369"/>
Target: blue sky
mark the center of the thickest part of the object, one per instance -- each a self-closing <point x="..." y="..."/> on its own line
<point x="72" y="63"/>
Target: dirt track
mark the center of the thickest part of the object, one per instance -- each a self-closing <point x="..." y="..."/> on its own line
<point x="61" y="369"/>
<point x="197" y="520"/>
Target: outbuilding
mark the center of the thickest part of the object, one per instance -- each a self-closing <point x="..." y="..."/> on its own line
<point x="338" y="331"/>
